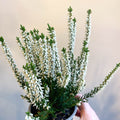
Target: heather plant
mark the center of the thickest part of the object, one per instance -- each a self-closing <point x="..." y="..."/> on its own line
<point x="51" y="82"/>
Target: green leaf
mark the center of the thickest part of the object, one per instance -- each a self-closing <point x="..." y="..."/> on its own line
<point x="64" y="50"/>
<point x="42" y="36"/>
<point x="17" y="38"/>
<point x="37" y="31"/>
<point x="34" y="30"/>
<point x="28" y="113"/>
<point x="70" y="9"/>
<point x="50" y="28"/>
<point x="31" y="32"/>
<point x="26" y="67"/>
<point x="23" y="49"/>
<point x="22" y="28"/>
<point x="51" y="42"/>
<point x="118" y="65"/>
<point x="47" y="38"/>
<point x="58" y="74"/>
<point x="89" y="11"/>
<point x="43" y="115"/>
<point x="85" y="49"/>
<point x="1" y="39"/>
<point x="85" y="43"/>
<point x="37" y="36"/>
<point x="27" y="33"/>
<point x="74" y="20"/>
<point x="27" y="84"/>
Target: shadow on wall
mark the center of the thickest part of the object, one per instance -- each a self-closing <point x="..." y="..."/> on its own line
<point x="11" y="109"/>
<point x="106" y="112"/>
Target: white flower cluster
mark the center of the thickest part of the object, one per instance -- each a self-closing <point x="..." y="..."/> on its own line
<point x="35" y="54"/>
<point x="43" y="62"/>
<point x="34" y="92"/>
<point x="83" y="59"/>
<point x="20" y="77"/>
<point x="30" y="117"/>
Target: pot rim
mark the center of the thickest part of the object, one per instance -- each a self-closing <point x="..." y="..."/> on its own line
<point x="73" y="114"/>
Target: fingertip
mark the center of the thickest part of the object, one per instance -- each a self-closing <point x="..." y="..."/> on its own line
<point x="78" y="96"/>
<point x="78" y="113"/>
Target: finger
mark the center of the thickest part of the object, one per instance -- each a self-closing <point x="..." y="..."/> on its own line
<point x="78" y="114"/>
<point x="78" y="96"/>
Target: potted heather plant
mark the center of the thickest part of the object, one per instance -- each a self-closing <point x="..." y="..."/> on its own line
<point x="52" y="82"/>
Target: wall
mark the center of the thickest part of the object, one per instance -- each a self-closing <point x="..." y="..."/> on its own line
<point x="104" y="48"/>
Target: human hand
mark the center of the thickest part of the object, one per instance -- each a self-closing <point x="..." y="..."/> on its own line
<point x="85" y="112"/>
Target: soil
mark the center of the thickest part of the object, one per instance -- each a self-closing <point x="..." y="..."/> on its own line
<point x="64" y="116"/>
<point x="34" y="111"/>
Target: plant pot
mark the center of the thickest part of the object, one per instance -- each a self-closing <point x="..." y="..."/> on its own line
<point x="73" y="114"/>
<point x="31" y="116"/>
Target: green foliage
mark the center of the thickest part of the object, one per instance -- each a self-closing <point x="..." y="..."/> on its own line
<point x="18" y="40"/>
<point x="51" y="42"/>
<point x="1" y="39"/>
<point x="70" y="9"/>
<point x="22" y="28"/>
<point x="25" y="97"/>
<point x="50" y="28"/>
<point x="89" y="11"/>
<point x="102" y="85"/>
<point x="74" y="20"/>
<point x="85" y="50"/>
<point x="30" y="67"/>
<point x="28" y="113"/>
<point x="64" y="50"/>
<point x="42" y="36"/>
